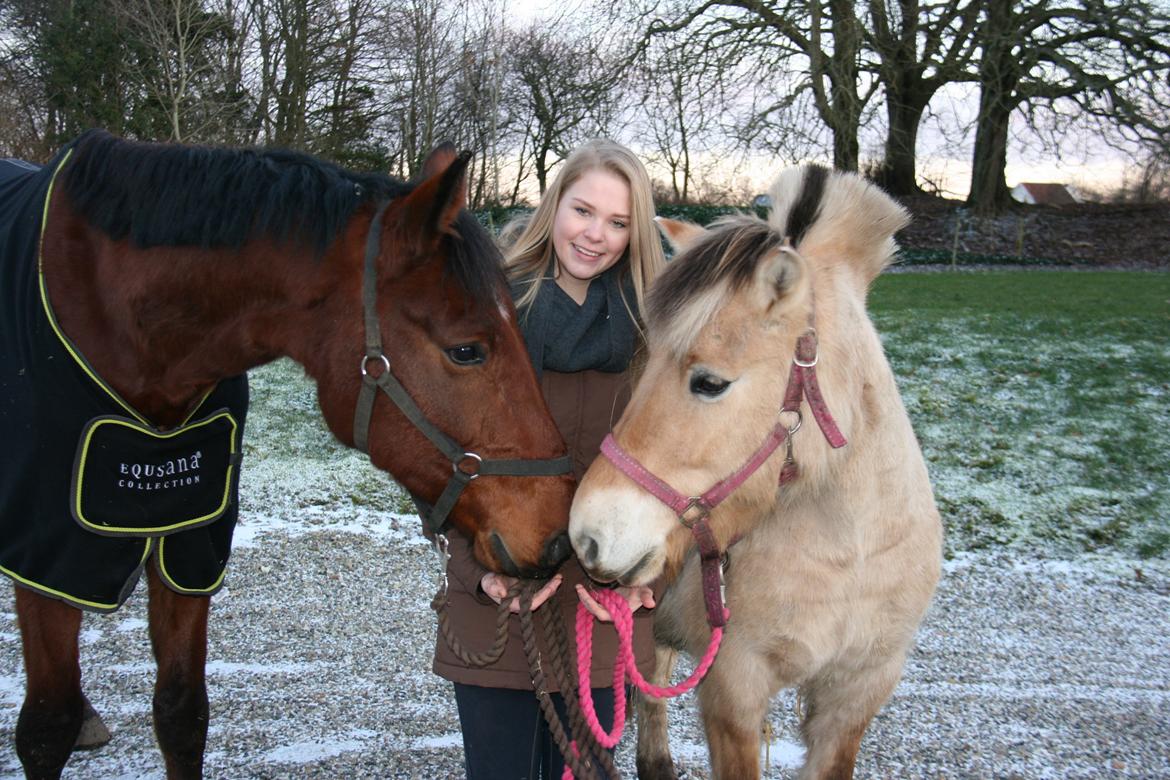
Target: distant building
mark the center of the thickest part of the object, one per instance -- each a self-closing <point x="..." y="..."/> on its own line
<point x="1043" y="194"/>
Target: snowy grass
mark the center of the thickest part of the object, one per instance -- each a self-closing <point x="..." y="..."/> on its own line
<point x="1042" y="402"/>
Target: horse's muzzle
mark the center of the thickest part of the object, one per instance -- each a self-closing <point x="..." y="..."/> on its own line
<point x="556" y="550"/>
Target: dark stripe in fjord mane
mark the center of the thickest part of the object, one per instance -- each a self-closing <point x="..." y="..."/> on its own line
<point x="807" y="208"/>
<point x="731" y="251"/>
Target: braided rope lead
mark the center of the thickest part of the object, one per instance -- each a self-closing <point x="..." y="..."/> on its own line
<point x="624" y="665"/>
<point x="492" y="654"/>
<point x="584" y="740"/>
<point x="573" y="762"/>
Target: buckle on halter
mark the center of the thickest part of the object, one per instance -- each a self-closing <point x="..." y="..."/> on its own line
<point x="723" y="561"/>
<point x="701" y="511"/>
<point x="799" y="420"/>
<point x="797" y="358"/>
<point x="468" y="457"/>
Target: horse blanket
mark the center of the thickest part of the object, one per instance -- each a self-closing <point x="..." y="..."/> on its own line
<point x="51" y="404"/>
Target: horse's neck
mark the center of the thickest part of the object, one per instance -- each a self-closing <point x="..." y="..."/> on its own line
<point x="161" y="326"/>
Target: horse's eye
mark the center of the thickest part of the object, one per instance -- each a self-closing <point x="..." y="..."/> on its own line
<point x="708" y="386"/>
<point x="466" y="354"/>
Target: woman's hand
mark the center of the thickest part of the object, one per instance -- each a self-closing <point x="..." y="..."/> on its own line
<point x="496" y="586"/>
<point x="637" y="596"/>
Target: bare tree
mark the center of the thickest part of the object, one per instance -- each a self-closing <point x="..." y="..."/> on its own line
<point x="569" y="99"/>
<point x="482" y="118"/>
<point x="184" y="48"/>
<point x="820" y="40"/>
<point x="22" y="115"/>
<point x="681" y="108"/>
<point x="1111" y="57"/>
<point x="918" y="47"/>
<point x="314" y="88"/>
<point x="421" y="40"/>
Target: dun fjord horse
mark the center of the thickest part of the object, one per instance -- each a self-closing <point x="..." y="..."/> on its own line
<point x="833" y="549"/>
<point x="139" y="282"/>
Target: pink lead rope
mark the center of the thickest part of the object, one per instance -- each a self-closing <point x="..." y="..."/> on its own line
<point x="624" y="666"/>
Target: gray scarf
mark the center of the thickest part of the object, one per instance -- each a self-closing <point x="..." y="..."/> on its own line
<point x="562" y="336"/>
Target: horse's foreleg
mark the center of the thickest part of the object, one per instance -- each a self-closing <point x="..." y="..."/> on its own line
<point x="178" y="634"/>
<point x="51" y="716"/>
<point x="653" y="753"/>
<point x="839" y="707"/>
<point x="734" y="700"/>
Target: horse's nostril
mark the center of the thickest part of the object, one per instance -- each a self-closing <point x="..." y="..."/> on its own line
<point x="589" y="554"/>
<point x="557" y="550"/>
<point x="502" y="556"/>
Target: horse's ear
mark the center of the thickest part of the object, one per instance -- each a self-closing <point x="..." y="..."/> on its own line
<point x="430" y="208"/>
<point x="680" y="234"/>
<point x="779" y="276"/>
<point x="439" y="159"/>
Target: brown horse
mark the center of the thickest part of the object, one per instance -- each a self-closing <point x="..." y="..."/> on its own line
<point x="833" y="542"/>
<point x="156" y="274"/>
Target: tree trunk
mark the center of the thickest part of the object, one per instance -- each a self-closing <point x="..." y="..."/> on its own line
<point x="843" y="76"/>
<point x="898" y="172"/>
<point x="989" y="191"/>
<point x="998" y="76"/>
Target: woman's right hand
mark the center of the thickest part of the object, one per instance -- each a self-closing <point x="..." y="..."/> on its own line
<point x="496" y="587"/>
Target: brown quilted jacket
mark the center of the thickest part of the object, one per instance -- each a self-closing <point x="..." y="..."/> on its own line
<point x="585" y="405"/>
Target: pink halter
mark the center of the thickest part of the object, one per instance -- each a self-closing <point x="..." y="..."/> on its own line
<point x="694" y="511"/>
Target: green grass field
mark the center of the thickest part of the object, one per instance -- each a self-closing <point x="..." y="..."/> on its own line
<point x="1042" y="401"/>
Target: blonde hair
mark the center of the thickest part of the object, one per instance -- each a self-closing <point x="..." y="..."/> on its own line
<point x="530" y="255"/>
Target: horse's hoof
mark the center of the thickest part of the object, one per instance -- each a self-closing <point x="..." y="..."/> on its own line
<point x="93" y="732"/>
<point x="661" y="768"/>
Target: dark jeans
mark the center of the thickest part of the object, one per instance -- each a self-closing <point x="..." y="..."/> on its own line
<point x="505" y="736"/>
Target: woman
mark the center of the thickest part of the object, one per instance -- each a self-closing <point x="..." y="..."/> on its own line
<point x="579" y="269"/>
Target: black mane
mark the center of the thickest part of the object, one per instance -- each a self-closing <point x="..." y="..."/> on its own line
<point x="177" y="195"/>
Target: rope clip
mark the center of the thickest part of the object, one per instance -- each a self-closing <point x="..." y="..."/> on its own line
<point x="441" y="546"/>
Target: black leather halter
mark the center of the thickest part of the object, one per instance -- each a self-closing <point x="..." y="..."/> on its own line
<point x="465" y="465"/>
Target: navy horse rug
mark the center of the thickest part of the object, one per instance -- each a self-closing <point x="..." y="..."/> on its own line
<point x="90" y="491"/>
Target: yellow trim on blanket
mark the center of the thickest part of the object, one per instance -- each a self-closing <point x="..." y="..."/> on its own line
<point x="162" y="570"/>
<point x="96" y="605"/>
<point x="69" y="347"/>
<point x="162" y="529"/>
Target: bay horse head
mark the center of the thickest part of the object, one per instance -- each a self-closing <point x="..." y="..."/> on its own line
<point x="207" y="262"/>
<point x="735" y="326"/>
<point x="442" y="342"/>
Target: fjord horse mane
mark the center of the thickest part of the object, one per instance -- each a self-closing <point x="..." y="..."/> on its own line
<point x="851" y="223"/>
<point x="724" y="261"/>
<point x="157" y="194"/>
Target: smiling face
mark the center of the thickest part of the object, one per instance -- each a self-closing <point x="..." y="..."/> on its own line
<point x="591" y="229"/>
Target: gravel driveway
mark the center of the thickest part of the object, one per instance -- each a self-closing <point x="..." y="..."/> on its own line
<point x="320" y="651"/>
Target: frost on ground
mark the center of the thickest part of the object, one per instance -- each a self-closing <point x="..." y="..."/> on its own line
<point x="1037" y="659"/>
<point x="1046" y="445"/>
<point x="320" y="648"/>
